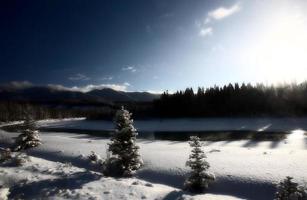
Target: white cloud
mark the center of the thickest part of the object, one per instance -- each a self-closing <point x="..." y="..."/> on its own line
<point x="129" y="68"/>
<point x="119" y="87"/>
<point x="217" y="14"/>
<point x="206" y="31"/>
<point x="107" y="78"/>
<point x="87" y="88"/>
<point x="58" y="87"/>
<point x="222" y="12"/>
<point x="153" y="91"/>
<point x="79" y="77"/>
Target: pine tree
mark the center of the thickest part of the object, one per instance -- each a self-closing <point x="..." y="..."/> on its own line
<point x="123" y="146"/>
<point x="289" y="190"/>
<point x="29" y="137"/>
<point x="199" y="178"/>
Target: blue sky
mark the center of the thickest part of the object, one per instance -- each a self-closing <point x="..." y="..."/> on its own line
<point x="153" y="45"/>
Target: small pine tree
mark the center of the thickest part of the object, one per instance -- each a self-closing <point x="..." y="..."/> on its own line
<point x="29" y="137"/>
<point x="123" y="148"/>
<point x="199" y="178"/>
<point x="289" y="190"/>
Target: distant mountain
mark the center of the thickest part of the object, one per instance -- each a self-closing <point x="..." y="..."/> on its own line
<point x="47" y="94"/>
<point x="121" y="96"/>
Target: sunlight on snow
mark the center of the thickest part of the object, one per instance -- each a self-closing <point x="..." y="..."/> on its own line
<point x="297" y="133"/>
<point x="264" y="128"/>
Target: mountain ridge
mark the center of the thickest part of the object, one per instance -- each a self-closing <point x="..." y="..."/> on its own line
<point x="48" y="93"/>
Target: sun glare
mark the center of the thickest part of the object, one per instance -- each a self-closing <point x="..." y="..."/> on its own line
<point x="280" y="52"/>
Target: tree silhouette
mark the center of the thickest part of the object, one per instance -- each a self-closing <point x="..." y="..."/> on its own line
<point x="235" y="100"/>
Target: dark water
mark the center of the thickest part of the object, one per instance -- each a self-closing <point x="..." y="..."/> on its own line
<point x="212" y="129"/>
<point x="191" y="124"/>
<point x="184" y="135"/>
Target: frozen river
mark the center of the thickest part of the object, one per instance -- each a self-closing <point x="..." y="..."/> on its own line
<point x="189" y="124"/>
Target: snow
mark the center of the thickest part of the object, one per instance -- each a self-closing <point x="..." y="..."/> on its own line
<point x="4" y="192"/>
<point x="42" y="178"/>
<point x="244" y="169"/>
<point x="44" y="121"/>
<point x="10" y="123"/>
<point x="49" y="121"/>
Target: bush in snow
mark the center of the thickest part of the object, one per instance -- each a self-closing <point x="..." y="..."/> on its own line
<point x="289" y="190"/>
<point x="199" y="178"/>
<point x="95" y="158"/>
<point x="125" y="158"/>
<point x="8" y="158"/>
<point x="112" y="167"/>
<point x="29" y="137"/>
<point x="19" y="159"/>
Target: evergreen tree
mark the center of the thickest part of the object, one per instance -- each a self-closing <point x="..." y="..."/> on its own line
<point x="289" y="190"/>
<point x="29" y="137"/>
<point x="123" y="146"/>
<point x="235" y="100"/>
<point x="199" y="178"/>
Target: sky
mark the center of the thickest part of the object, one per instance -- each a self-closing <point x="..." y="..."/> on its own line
<point x="152" y="45"/>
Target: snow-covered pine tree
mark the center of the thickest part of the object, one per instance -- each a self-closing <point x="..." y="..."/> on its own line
<point x="123" y="148"/>
<point x="199" y="178"/>
<point x="289" y="190"/>
<point x="29" y="137"/>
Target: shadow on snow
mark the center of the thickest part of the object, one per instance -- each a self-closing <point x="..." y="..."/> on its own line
<point x="35" y="189"/>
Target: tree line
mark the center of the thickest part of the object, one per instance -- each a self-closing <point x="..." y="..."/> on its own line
<point x="235" y="100"/>
<point x="14" y="110"/>
<point x="11" y="111"/>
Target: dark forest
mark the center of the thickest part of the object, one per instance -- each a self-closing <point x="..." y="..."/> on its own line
<point x="235" y="100"/>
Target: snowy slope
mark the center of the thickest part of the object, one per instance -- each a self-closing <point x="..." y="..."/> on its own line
<point x="42" y="179"/>
<point x="47" y="179"/>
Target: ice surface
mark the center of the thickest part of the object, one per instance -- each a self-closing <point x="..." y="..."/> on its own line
<point x="188" y="124"/>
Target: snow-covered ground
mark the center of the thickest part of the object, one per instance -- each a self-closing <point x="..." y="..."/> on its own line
<point x="244" y="169"/>
<point x="44" y="179"/>
<point x="45" y="122"/>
